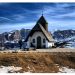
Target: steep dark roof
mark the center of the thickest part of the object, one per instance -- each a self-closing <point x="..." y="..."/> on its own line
<point x="39" y="27"/>
<point x="41" y="20"/>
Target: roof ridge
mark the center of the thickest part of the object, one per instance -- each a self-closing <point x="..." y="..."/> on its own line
<point x="48" y="36"/>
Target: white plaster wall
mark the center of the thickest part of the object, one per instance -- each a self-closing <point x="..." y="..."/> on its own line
<point x="35" y="35"/>
<point x="49" y="44"/>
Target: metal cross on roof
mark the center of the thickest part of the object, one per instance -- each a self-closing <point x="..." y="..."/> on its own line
<point x="42" y="12"/>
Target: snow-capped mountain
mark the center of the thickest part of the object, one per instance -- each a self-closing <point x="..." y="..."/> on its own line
<point x="67" y="36"/>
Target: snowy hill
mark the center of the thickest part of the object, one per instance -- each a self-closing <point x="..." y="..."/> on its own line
<point x="63" y="34"/>
<point x="67" y="36"/>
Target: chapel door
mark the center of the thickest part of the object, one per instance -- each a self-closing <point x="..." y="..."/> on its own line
<point x="38" y="42"/>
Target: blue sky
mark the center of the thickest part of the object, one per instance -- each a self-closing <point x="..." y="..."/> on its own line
<point x="59" y="16"/>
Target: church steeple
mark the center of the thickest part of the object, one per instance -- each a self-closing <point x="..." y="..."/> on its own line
<point x="43" y="22"/>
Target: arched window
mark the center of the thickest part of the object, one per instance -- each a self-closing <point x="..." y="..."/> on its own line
<point x="43" y="40"/>
<point x="33" y="40"/>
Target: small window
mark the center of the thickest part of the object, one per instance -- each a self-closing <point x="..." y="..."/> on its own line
<point x="33" y="40"/>
<point x="43" y="40"/>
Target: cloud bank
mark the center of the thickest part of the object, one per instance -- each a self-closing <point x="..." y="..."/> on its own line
<point x="58" y="15"/>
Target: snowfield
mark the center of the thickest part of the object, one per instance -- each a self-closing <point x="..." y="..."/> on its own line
<point x="66" y="70"/>
<point x="11" y="69"/>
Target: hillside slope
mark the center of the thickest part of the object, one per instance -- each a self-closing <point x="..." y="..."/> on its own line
<point x="39" y="61"/>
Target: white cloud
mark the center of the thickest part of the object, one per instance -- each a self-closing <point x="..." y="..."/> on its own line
<point x="18" y="17"/>
<point x="7" y="28"/>
<point x="4" y="18"/>
<point x="67" y="14"/>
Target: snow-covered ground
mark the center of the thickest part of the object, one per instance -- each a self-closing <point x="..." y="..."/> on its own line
<point x="70" y="45"/>
<point x="12" y="69"/>
<point x="66" y="70"/>
<point x="70" y="42"/>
